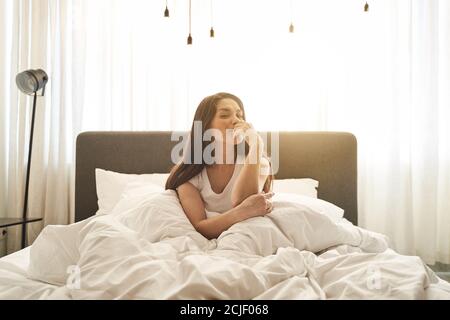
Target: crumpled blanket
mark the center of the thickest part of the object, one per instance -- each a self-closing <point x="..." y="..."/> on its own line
<point x="146" y="248"/>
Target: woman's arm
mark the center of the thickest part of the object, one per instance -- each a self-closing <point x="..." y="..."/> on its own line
<point x="211" y="228"/>
<point x="251" y="178"/>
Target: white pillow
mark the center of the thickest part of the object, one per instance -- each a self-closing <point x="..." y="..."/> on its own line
<point x="304" y="186"/>
<point x="138" y="188"/>
<point x="134" y="193"/>
<point x="326" y="208"/>
<point x="110" y="186"/>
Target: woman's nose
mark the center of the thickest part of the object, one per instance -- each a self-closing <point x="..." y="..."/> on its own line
<point x="236" y="120"/>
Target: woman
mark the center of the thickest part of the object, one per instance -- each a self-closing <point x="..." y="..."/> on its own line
<point x="238" y="191"/>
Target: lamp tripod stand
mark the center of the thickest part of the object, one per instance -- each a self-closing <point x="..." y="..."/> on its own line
<point x="30" y="82"/>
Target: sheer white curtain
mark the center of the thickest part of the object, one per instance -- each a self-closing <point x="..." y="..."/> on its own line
<point x="35" y="34"/>
<point x="119" y="65"/>
<point x="405" y="143"/>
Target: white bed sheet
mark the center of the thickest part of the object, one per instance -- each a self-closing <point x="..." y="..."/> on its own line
<point x="148" y="250"/>
<point x="20" y="258"/>
<point x="15" y="284"/>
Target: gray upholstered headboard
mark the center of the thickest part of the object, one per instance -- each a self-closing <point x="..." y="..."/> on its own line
<point x="329" y="157"/>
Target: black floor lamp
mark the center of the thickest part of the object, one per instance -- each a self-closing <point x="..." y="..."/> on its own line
<point x="30" y="82"/>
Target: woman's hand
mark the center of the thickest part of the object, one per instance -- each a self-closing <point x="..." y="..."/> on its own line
<point x="256" y="205"/>
<point x="251" y="136"/>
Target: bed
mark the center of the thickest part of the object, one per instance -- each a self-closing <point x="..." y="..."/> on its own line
<point x="149" y="252"/>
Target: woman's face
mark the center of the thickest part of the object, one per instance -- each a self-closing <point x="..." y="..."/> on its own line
<point x="227" y="115"/>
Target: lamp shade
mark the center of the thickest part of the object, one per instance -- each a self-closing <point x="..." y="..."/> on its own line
<point x="30" y="81"/>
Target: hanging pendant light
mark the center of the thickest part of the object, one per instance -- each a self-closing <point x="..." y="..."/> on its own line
<point x="366" y="7"/>
<point x="189" y="39"/>
<point x="166" y="12"/>
<point x="291" y="26"/>
<point x="211" y="31"/>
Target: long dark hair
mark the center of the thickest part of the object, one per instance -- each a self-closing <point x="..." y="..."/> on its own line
<point x="187" y="169"/>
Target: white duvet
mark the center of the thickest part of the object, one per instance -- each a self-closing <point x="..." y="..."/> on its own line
<point x="146" y="248"/>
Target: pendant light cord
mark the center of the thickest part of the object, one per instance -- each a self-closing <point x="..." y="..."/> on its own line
<point x="292" y="12"/>
<point x="211" y="8"/>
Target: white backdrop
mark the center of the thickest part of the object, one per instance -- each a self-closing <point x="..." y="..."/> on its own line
<point x="119" y="65"/>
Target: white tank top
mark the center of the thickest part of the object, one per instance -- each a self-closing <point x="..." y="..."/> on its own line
<point x="216" y="203"/>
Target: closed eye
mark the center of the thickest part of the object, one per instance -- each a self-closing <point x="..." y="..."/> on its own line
<point x="225" y="115"/>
